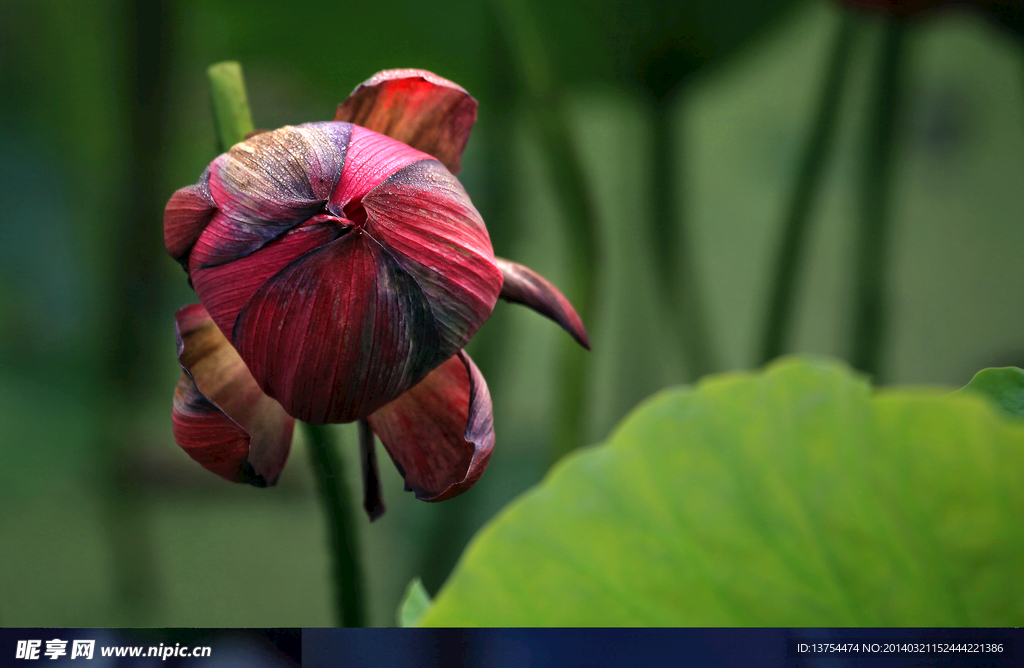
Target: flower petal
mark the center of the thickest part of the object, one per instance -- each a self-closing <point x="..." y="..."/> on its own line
<point x="186" y="216"/>
<point x="373" y="504"/>
<point x="441" y="432"/>
<point x="267" y="185"/>
<point x="224" y="288"/>
<point x="416" y="107"/>
<point x="220" y="416"/>
<point x="339" y="332"/>
<point x="370" y="159"/>
<point x="523" y="285"/>
<point x="424" y="216"/>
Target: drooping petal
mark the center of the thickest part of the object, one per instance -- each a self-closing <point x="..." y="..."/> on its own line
<point x="339" y="332"/>
<point x="220" y="417"/>
<point x="224" y="288"/>
<point x="186" y="216"/>
<point x="373" y="504"/>
<point x="416" y="107"/>
<point x="523" y="285"/>
<point x="441" y="432"/>
<point x="424" y="216"/>
<point x="267" y="185"/>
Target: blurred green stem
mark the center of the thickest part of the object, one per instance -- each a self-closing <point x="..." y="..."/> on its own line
<point x="876" y="206"/>
<point x="341" y="527"/>
<point x="127" y="355"/>
<point x="681" y="296"/>
<point x="234" y="121"/>
<point x="550" y="117"/>
<point x="795" y="231"/>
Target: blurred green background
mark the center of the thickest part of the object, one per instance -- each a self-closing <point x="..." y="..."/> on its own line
<point x="105" y="112"/>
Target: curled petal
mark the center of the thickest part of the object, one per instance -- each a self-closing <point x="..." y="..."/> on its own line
<point x="441" y="432"/>
<point x="269" y="184"/>
<point x="224" y="288"/>
<point x="186" y="216"/>
<point x="220" y="416"/>
<point x="371" y="158"/>
<point x="415" y="107"/>
<point x="523" y="285"/>
<point x="424" y="217"/>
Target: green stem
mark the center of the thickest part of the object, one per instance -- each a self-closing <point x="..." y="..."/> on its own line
<point x="681" y="297"/>
<point x="578" y="209"/>
<point x="876" y="209"/>
<point x="234" y="122"/>
<point x="231" y="114"/>
<point x="789" y="261"/>
<point x="341" y="527"/>
<point x="127" y="356"/>
<point x="548" y="111"/>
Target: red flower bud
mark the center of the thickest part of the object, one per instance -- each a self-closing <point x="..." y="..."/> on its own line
<point x="347" y="270"/>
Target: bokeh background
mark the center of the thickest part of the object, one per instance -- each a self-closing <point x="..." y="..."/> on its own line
<point x="611" y="135"/>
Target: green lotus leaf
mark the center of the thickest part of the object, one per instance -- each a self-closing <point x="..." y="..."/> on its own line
<point x="1004" y="386"/>
<point x="793" y="497"/>
<point x="415" y="603"/>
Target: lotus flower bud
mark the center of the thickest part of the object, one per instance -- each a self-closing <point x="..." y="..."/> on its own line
<point x="340" y="272"/>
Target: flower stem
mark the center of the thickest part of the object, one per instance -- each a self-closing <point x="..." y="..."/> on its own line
<point x="341" y="527"/>
<point x="789" y="260"/>
<point x="680" y="290"/>
<point x="876" y="210"/>
<point x="231" y="113"/>
<point x="234" y="122"/>
<point x="127" y="357"/>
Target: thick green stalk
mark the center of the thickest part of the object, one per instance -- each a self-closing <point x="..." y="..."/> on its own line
<point x="127" y="355"/>
<point x="795" y="230"/>
<point x="234" y="122"/>
<point x="231" y="114"/>
<point x="548" y="111"/>
<point x="341" y="525"/>
<point x="677" y="277"/>
<point x="876" y="209"/>
<point x="578" y="209"/>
